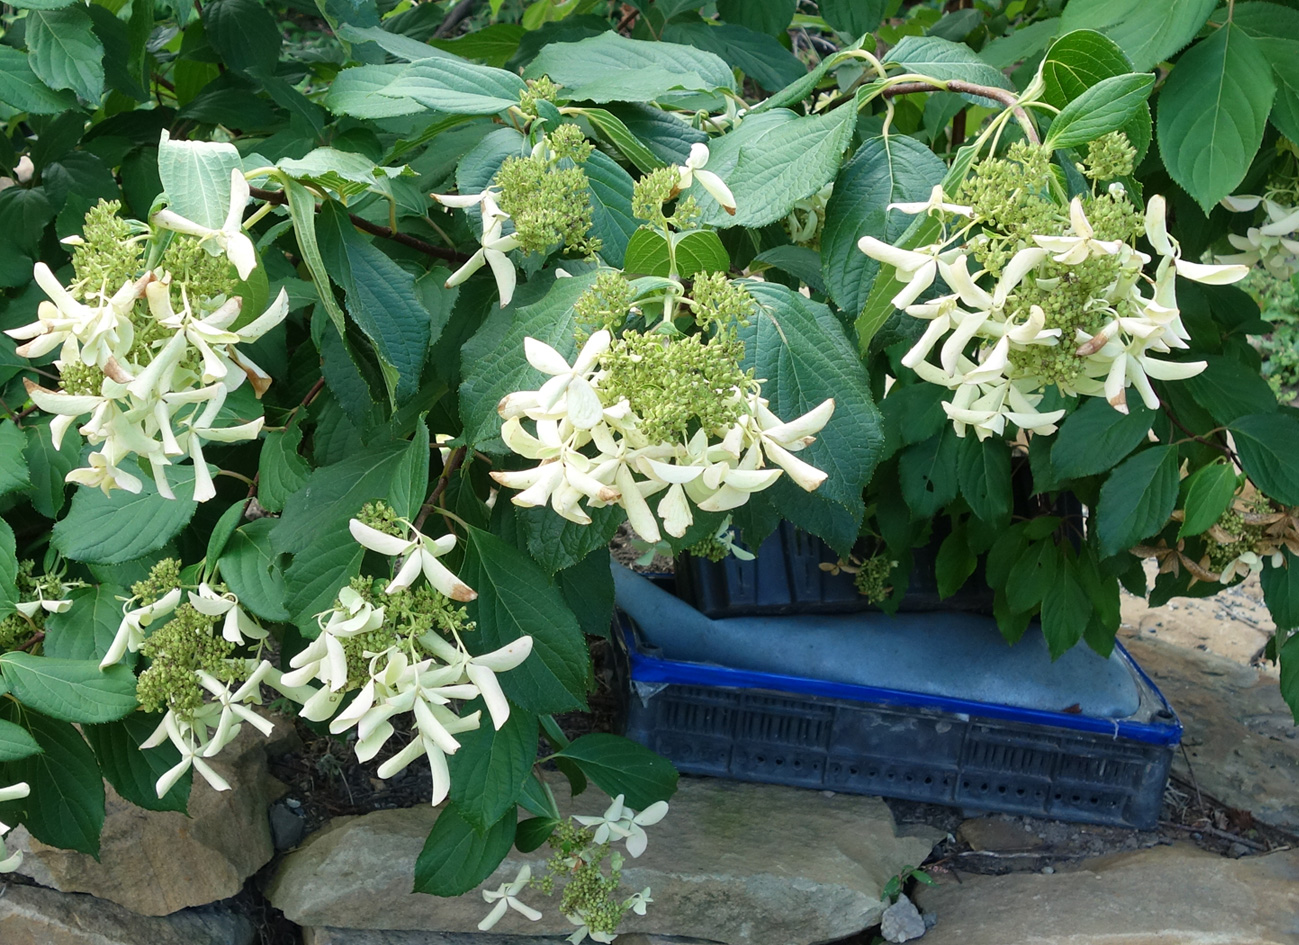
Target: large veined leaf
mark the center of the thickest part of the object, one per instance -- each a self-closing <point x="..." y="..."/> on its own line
<point x="854" y="17"/>
<point x="251" y="569"/>
<point x="70" y="690"/>
<point x="1212" y="113"/>
<point x="1078" y="61"/>
<point x="1281" y="591"/>
<point x="85" y="631"/>
<point x="885" y="170"/>
<point x="21" y="88"/>
<point x="371" y="91"/>
<point x="1096" y="436"/>
<point x="491" y="767"/>
<point x="1066" y="610"/>
<point x="456" y="857"/>
<point x="16" y="742"/>
<point x="66" y="805"/>
<point x="774" y="160"/>
<point x="1107" y="106"/>
<point x="515" y="597"/>
<point x="1147" y="32"/>
<point x="1137" y="499"/>
<point x="458" y="88"/>
<point x="768" y="16"/>
<point x="312" y="581"/>
<point x="612" y="68"/>
<point x="493" y="359"/>
<point x="196" y="177"/>
<point x="1276" y="30"/>
<point x="1268" y="444"/>
<point x="695" y="251"/>
<point x="134" y="771"/>
<point x="13" y="464"/>
<point x="121" y="526"/>
<point x="245" y="34"/>
<point x="65" y="52"/>
<point x="757" y="55"/>
<point x="1209" y="491"/>
<point x="801" y="350"/>
<point x="620" y="766"/>
<point x="395" y="44"/>
<point x="612" y="221"/>
<point x="48" y="468"/>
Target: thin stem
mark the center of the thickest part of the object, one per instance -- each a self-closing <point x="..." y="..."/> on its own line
<point x="236" y="475"/>
<point x="458" y="14"/>
<point x="453" y="463"/>
<point x="1192" y="435"/>
<point x="405" y="239"/>
<point x="1007" y="98"/>
<point x="35" y="638"/>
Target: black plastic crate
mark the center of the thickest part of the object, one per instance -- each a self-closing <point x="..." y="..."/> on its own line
<point x="755" y="726"/>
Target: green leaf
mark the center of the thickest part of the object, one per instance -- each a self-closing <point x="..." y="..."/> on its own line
<point x="532" y="832"/>
<point x="800" y="347"/>
<point x="281" y="470"/>
<point x="620" y="766"/>
<point x="1209" y="492"/>
<point x="767" y="16"/>
<point x="954" y="563"/>
<point x="1281" y="591"/>
<point x="1107" y="106"/>
<point x="1079" y="60"/>
<point x="1228" y="390"/>
<point x="16" y="742"/>
<point x="244" y="33"/>
<point x="8" y="569"/>
<point x="371" y="91"/>
<point x="1096" y="436"/>
<point x="696" y="251"/>
<point x="493" y="45"/>
<point x="1137" y="499"/>
<point x="344" y="172"/>
<point x="24" y="214"/>
<point x="1285" y="108"/>
<point x="556" y="543"/>
<point x="885" y="170"/>
<point x="318" y="512"/>
<point x="382" y="301"/>
<point x="854" y="17"/>
<point x="110" y="529"/>
<point x="252" y="570"/>
<point x="196" y="178"/>
<point x="489" y="770"/>
<point x="134" y="771"/>
<point x="588" y="590"/>
<point x="66" y="805"/>
<point x="13" y="464"/>
<point x="47" y="467"/>
<point x="1032" y="576"/>
<point x="944" y="59"/>
<point x="395" y="44"/>
<point x="85" y="631"/>
<point x="1066" y="610"/>
<point x="313" y="580"/>
<point x="1212" y="113"/>
<point x="610" y="188"/>
<point x="1288" y="656"/>
<point x="983" y="472"/>
<point x="65" y="52"/>
<point x="1268" y="444"/>
<point x="455" y="87"/>
<point x="774" y="160"/>
<point x="1020" y="43"/>
<point x="632" y="148"/>
<point x="456" y="858"/>
<point x="515" y="597"/>
<point x="493" y="359"/>
<point x="71" y="690"/>
<point x="666" y="136"/>
<point x="928" y="471"/>
<point x="22" y="89"/>
<point x="1148" y="33"/>
<point x="221" y="532"/>
<point x="757" y="55"/>
<point x="302" y="210"/>
<point x="612" y="68"/>
<point x="910" y="414"/>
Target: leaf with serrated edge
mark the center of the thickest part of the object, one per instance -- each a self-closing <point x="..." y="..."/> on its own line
<point x="1209" y="492"/>
<point x="490" y="768"/>
<point x="1137" y="499"/>
<point x="133" y="771"/>
<point x="456" y="858"/>
<point x="620" y="766"/>
<point x="71" y="690"/>
<point x="110" y="529"/>
<point x="1268" y="444"/>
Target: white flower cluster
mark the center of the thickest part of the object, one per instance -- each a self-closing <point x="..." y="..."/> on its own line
<point x="1274" y="243"/>
<point x="1140" y="318"/>
<point x="716" y="470"/>
<point x="163" y="363"/>
<point x="203" y="733"/>
<point x="10" y="862"/>
<point x="421" y="676"/>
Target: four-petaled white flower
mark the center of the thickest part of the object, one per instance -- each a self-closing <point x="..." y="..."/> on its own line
<point x="620" y="822"/>
<point x="421" y="554"/>
<point x="494" y="244"/>
<point x="230" y="238"/>
<point x="506" y="897"/>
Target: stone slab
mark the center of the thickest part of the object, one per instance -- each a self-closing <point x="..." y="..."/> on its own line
<point x="329" y="936"/>
<point x="30" y="915"/>
<point x="1172" y="895"/>
<point x="743" y="864"/>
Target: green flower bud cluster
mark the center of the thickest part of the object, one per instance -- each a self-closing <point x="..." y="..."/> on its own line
<point x="382" y="517"/>
<point x="604" y="305"/>
<point x="720" y="302"/>
<point x="538" y="90"/>
<point x="163" y="578"/>
<point x="678" y="385"/>
<point x="872" y="579"/>
<point x="654" y="191"/>
<point x="549" y="204"/>
<point x="108" y="255"/>
<point x="178" y="650"/>
<point x="1249" y="537"/>
<point x="567" y="141"/>
<point x="16" y="628"/>
<point x="77" y="377"/>
<point x="588" y="892"/>
<point x="1109" y="157"/>
<point x="203" y="275"/>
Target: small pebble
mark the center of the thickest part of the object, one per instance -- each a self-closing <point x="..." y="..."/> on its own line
<point x="1048" y="870"/>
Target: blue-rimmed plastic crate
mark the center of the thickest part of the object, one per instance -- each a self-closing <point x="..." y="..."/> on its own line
<point x="1104" y="759"/>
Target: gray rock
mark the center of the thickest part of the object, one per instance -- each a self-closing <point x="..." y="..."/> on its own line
<point x="1172" y="895"/>
<point x="743" y="864"/>
<point x="157" y="862"/>
<point x="377" y="937"/>
<point x="902" y="921"/>
<point x="30" y="915"/>
<point x="1239" y="732"/>
<point x="288" y="825"/>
